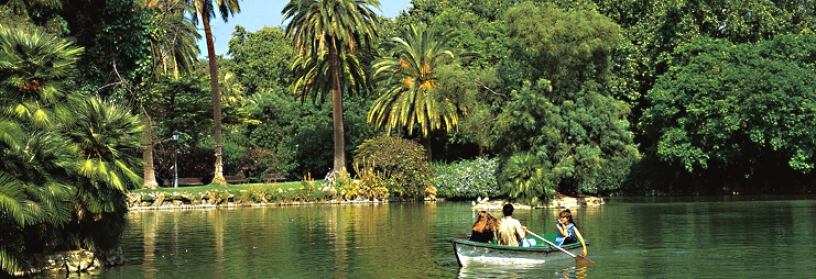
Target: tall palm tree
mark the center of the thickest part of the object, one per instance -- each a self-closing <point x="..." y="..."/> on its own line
<point x="408" y="82"/>
<point x="175" y="52"/>
<point x="328" y="35"/>
<point x="205" y="10"/>
<point x="173" y="42"/>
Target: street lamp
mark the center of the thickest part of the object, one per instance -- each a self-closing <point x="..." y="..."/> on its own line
<point x="175" y="161"/>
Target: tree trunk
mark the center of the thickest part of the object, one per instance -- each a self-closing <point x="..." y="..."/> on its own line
<point x="337" y="109"/>
<point x="218" y="177"/>
<point x="428" y="153"/>
<point x="147" y="155"/>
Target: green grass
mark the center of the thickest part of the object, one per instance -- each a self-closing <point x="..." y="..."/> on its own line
<point x="213" y="186"/>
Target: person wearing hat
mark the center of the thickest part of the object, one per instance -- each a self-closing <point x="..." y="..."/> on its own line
<point x="510" y="231"/>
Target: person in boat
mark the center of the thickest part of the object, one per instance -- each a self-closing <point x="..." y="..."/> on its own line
<point x="567" y="231"/>
<point x="511" y="232"/>
<point x="484" y="230"/>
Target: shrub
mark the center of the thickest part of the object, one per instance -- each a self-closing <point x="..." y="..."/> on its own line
<point x="215" y="197"/>
<point x="256" y="161"/>
<point x="371" y="183"/>
<point x="264" y="193"/>
<point x="400" y="163"/>
<point x="244" y="196"/>
<point x="467" y="178"/>
<point x="348" y="189"/>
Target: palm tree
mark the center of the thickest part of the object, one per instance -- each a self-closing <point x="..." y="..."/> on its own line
<point x="173" y="42"/>
<point x="327" y="36"/>
<point x="66" y="163"/>
<point x="104" y="139"/>
<point x="174" y="49"/>
<point x="408" y="84"/>
<point x="34" y="195"/>
<point x="205" y="10"/>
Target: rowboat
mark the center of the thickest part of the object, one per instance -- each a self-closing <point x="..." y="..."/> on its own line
<point x="472" y="253"/>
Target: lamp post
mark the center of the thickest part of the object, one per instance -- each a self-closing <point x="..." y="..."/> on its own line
<point x="175" y="160"/>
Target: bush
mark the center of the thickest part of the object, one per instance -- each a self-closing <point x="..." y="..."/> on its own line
<point x="467" y="178"/>
<point x="400" y="163"/>
<point x="371" y="184"/>
<point x="244" y="196"/>
<point x="256" y="161"/>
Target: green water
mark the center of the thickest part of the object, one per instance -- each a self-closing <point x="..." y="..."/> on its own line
<point x="700" y="237"/>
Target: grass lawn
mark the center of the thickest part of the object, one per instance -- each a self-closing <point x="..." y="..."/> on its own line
<point x="228" y="187"/>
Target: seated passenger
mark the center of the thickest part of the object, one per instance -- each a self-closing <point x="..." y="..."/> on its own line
<point x="484" y="230"/>
<point x="567" y="231"/>
<point x="510" y="231"/>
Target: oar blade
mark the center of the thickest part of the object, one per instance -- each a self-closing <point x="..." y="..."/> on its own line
<point x="583" y="261"/>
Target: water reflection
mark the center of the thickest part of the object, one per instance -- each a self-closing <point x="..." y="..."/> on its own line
<point x="629" y="239"/>
<point x="560" y="270"/>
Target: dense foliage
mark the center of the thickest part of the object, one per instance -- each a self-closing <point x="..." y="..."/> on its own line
<point x="467" y="179"/>
<point x="564" y="131"/>
<point x="400" y="163"/>
<point x="68" y="158"/>
<point x="573" y="97"/>
<point x="737" y="111"/>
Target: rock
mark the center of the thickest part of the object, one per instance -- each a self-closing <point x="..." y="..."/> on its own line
<point x="564" y="201"/>
<point x="497" y="205"/>
<point x="159" y="200"/>
<point x="560" y="201"/>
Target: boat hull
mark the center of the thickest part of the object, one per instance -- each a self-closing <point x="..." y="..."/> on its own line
<point x="470" y="253"/>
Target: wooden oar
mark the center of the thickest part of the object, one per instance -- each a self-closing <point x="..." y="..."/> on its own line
<point x="579" y="260"/>
<point x="461" y="235"/>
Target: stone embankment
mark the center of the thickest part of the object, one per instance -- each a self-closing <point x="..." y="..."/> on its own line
<point x="161" y="201"/>
<point x="65" y="262"/>
<point x="560" y="201"/>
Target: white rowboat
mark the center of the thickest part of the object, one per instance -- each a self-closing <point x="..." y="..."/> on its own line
<point x="471" y="253"/>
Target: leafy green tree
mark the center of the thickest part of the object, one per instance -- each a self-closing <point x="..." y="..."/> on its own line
<point x="41" y="13"/>
<point x="127" y="45"/>
<point x="653" y="29"/>
<point x="205" y="10"/>
<point x="409" y="83"/>
<point x="566" y="123"/>
<point x="480" y="28"/>
<point x="300" y="135"/>
<point x="174" y="52"/>
<point x="328" y="35"/>
<point x="396" y="163"/>
<point x="261" y="59"/>
<point x="180" y="104"/>
<point x="737" y="114"/>
<point x="478" y="25"/>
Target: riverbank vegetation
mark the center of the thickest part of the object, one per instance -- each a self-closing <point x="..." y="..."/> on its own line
<point x="457" y="99"/>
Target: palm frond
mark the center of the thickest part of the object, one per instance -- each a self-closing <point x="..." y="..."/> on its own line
<point x="408" y="83"/>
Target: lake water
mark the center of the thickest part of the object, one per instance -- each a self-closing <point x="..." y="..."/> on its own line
<point x="698" y="237"/>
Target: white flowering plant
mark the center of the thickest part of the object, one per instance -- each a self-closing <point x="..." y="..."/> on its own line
<point x="467" y="178"/>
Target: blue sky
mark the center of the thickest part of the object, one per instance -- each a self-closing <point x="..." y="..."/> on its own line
<point x="255" y="14"/>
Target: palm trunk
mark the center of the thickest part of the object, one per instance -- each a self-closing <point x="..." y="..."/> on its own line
<point x="218" y="177"/>
<point x="337" y="109"/>
<point x="428" y="153"/>
<point x="147" y="155"/>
